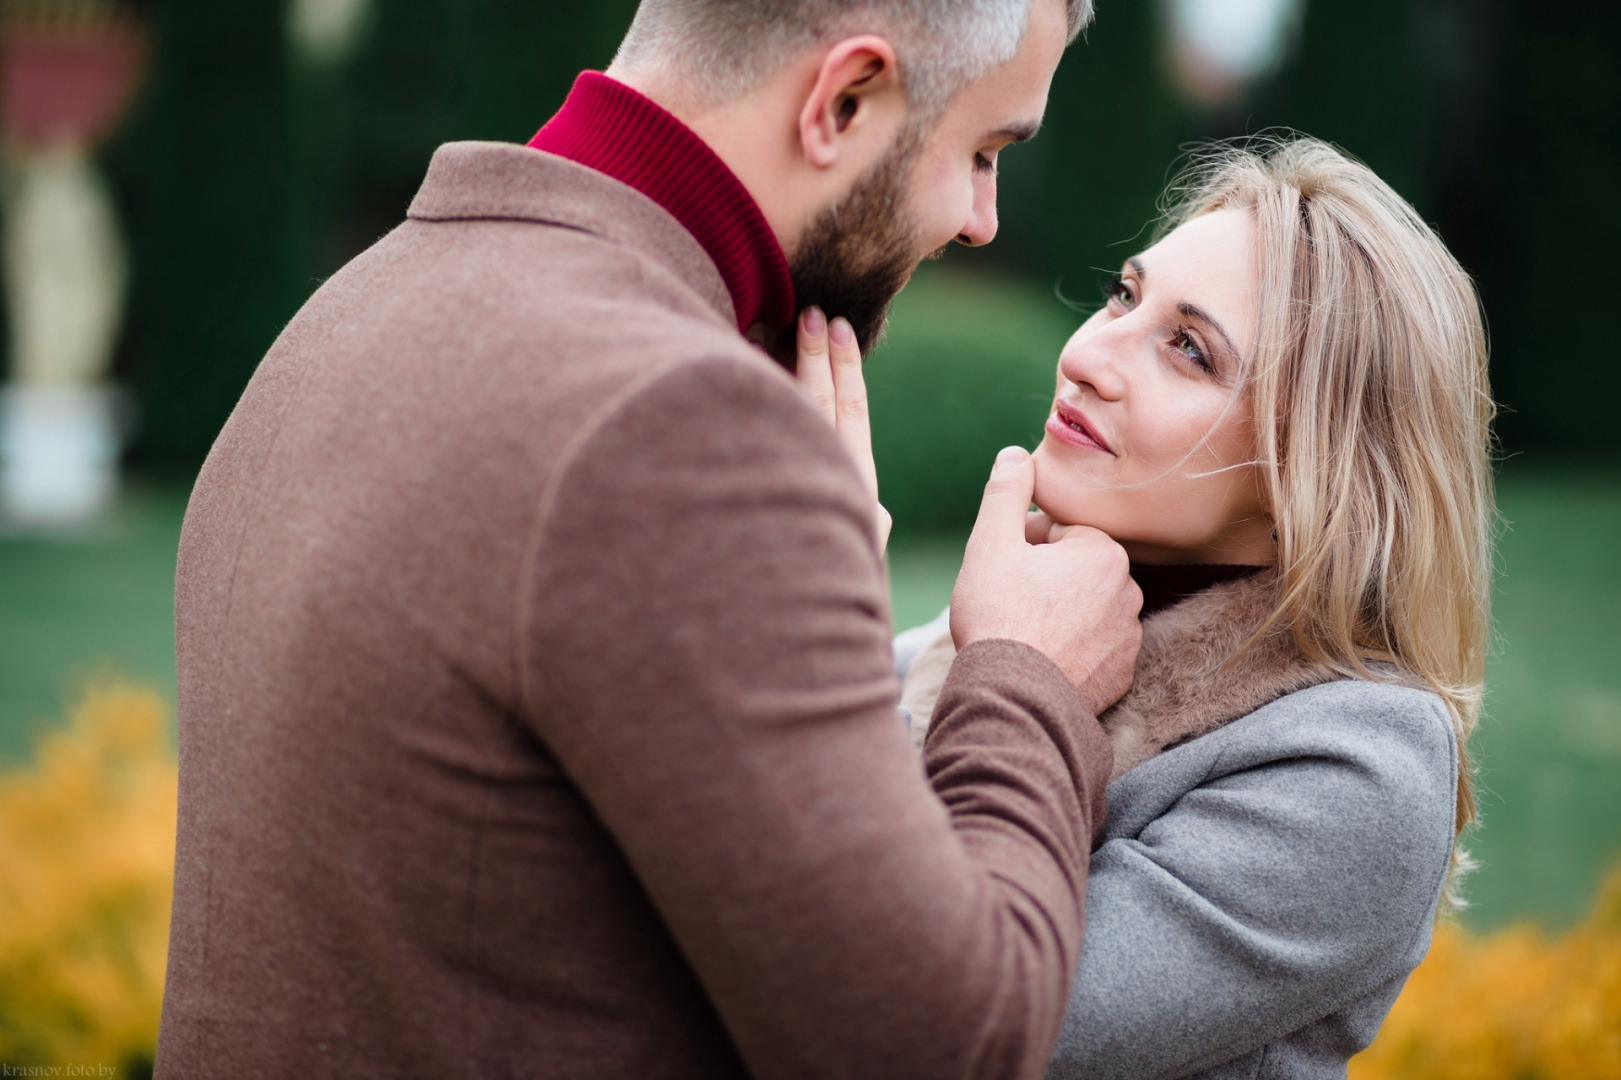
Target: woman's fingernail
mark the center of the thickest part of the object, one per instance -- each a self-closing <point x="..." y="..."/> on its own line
<point x="1010" y="457"/>
<point x="841" y="333"/>
<point x="814" y="321"/>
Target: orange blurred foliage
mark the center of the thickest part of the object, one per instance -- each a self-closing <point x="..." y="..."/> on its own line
<point x="1512" y="1005"/>
<point x="87" y="843"/>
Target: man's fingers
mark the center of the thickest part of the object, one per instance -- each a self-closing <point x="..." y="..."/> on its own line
<point x="1039" y="528"/>
<point x="814" y="369"/>
<point x="1057" y="532"/>
<point x="850" y="398"/>
<point x="1036" y="526"/>
<point x="1003" y="510"/>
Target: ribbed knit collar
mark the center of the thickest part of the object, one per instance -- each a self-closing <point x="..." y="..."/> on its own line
<point x="607" y="126"/>
<point x="1165" y="584"/>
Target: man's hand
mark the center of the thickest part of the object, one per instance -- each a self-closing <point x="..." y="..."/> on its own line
<point x="1064" y="589"/>
<point x="830" y="377"/>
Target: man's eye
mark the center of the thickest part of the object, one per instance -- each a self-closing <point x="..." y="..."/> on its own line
<point x="984" y="164"/>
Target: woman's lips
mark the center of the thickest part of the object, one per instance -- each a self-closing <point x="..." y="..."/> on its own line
<point x="1067" y="424"/>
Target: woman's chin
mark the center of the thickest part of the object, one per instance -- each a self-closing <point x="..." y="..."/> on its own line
<point x="1064" y="512"/>
<point x="1065" y="497"/>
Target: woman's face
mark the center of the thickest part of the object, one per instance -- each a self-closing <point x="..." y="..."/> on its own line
<point x="1148" y="439"/>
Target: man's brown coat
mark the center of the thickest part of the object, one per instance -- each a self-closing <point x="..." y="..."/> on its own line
<point x="536" y="707"/>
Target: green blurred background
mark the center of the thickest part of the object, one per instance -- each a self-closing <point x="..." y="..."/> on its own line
<point x="248" y="172"/>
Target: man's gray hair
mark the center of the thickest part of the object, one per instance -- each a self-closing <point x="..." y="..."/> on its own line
<point x="725" y="48"/>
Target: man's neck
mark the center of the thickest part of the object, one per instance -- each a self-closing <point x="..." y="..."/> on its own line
<point x="613" y="128"/>
<point x="736" y="131"/>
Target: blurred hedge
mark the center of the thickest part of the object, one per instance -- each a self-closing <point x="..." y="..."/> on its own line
<point x="967" y="368"/>
<point x="247" y="177"/>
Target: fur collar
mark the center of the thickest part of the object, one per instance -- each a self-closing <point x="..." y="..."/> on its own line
<point x="1185" y="686"/>
<point x="1191" y="678"/>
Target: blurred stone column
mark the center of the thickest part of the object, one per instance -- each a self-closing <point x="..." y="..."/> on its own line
<point x="325" y="32"/>
<point x="67" y="71"/>
<point x="1218" y="47"/>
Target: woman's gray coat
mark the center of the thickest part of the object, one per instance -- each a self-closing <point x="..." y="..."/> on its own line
<point x="1262" y="891"/>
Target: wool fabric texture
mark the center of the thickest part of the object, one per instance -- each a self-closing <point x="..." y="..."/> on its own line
<point x="536" y="700"/>
<point x="1276" y="846"/>
<point x="1262" y="892"/>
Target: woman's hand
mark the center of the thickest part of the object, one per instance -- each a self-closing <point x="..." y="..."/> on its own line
<point x="830" y="376"/>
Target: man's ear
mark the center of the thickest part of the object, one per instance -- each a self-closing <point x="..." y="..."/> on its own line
<point x="856" y="103"/>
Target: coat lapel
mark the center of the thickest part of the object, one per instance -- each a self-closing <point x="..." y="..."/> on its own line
<point x="484" y="181"/>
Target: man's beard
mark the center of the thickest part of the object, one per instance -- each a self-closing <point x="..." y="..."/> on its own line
<point x="858" y="253"/>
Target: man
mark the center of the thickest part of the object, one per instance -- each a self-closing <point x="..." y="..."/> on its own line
<point x="536" y="704"/>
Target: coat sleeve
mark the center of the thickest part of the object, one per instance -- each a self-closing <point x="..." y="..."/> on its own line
<point x="1298" y="876"/>
<point x="707" y="653"/>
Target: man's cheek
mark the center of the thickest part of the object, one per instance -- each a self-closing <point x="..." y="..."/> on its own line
<point x="942" y="206"/>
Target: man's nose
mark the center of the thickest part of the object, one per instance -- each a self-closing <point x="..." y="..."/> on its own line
<point x="980" y="228"/>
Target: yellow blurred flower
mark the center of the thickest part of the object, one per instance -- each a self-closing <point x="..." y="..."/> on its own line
<point x="87" y="847"/>
<point x="1512" y="1005"/>
<point x="87" y="843"/>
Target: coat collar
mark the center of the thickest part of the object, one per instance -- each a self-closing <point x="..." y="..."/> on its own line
<point x="483" y="181"/>
<point x="608" y="126"/>
<point x="1202" y="666"/>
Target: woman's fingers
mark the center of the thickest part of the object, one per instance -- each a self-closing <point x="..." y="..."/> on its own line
<point x="850" y="400"/>
<point x="814" y="368"/>
<point x="885" y="523"/>
<point x="829" y="370"/>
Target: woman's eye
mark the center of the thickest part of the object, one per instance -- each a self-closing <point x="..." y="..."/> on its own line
<point x="1117" y="290"/>
<point x="1190" y="348"/>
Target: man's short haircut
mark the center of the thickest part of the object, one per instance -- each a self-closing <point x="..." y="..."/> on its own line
<point x="725" y="48"/>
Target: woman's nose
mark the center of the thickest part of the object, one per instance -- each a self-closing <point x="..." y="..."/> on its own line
<point x="1094" y="360"/>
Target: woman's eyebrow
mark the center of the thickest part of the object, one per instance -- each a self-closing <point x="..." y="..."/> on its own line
<point x="1191" y="311"/>
<point x="1194" y="311"/>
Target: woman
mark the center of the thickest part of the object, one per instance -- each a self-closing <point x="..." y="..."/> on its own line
<point x="1282" y="413"/>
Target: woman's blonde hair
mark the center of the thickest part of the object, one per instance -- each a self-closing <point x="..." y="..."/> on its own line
<point x="1373" y="417"/>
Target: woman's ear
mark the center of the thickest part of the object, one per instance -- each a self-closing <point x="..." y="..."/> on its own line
<point x="856" y="104"/>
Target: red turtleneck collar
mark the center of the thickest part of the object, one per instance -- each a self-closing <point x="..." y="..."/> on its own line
<point x="607" y="126"/>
